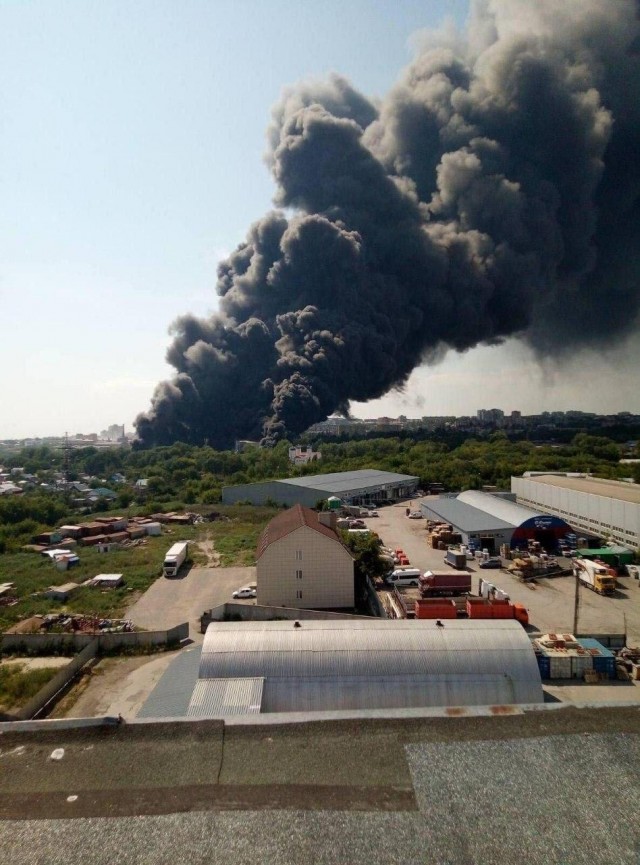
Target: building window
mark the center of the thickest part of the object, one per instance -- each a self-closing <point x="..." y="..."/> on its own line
<point x="298" y="575"/>
<point x="299" y="595"/>
<point x="298" y="555"/>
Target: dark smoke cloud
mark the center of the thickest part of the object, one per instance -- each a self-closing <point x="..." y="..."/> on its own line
<point x="493" y="193"/>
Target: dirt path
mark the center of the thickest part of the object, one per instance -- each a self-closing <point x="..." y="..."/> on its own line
<point x="115" y="686"/>
<point x="208" y="548"/>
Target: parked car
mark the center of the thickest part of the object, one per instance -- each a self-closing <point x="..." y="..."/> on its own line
<point x="416" y="515"/>
<point x="372" y="514"/>
<point x="245" y="592"/>
<point x="491" y="563"/>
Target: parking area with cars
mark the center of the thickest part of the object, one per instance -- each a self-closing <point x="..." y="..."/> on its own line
<point x="168" y="602"/>
<point x="246" y="592"/>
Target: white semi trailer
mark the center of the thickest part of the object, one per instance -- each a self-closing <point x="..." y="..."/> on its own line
<point x="174" y="558"/>
<point x="595" y="576"/>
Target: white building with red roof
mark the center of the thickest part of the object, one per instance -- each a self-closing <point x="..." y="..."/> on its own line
<point x="301" y="562"/>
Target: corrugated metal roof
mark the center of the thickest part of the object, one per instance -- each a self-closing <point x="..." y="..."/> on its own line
<point x="500" y="508"/>
<point x="217" y="698"/>
<point x="345" y="481"/>
<point x="327" y="655"/>
<point x="170" y="697"/>
<point x="393" y="692"/>
<point x="463" y="516"/>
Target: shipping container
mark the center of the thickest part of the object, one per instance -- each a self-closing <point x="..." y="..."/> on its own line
<point x="544" y="665"/>
<point x="435" y="608"/>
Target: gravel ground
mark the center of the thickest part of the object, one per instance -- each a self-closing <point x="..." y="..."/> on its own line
<point x="545" y="788"/>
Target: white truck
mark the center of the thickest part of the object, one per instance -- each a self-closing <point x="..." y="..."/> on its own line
<point x="594" y="576"/>
<point x="175" y="557"/>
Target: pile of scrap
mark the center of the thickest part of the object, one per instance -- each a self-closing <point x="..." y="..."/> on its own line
<point x="628" y="659"/>
<point x="177" y="518"/>
<point x="8" y="595"/>
<point x="63" y="623"/>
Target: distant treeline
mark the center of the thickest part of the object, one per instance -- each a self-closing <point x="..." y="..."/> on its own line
<point x="196" y="475"/>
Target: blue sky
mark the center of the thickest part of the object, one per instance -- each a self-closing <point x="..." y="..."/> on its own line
<point x="131" y="150"/>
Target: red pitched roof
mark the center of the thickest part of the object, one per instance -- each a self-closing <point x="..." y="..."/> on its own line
<point x="290" y="520"/>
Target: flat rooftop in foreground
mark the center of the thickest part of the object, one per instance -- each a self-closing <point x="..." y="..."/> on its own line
<point x="550" y="785"/>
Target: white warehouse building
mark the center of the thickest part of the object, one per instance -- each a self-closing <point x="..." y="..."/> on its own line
<point x="361" y="664"/>
<point x="604" y="508"/>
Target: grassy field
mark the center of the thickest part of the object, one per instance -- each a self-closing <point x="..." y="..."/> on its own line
<point x="18" y="685"/>
<point x="235" y="539"/>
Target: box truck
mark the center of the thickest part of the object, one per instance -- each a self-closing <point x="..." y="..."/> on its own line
<point x="174" y="558"/>
<point x="442" y="583"/>
<point x="456" y="558"/>
<point x="594" y="576"/>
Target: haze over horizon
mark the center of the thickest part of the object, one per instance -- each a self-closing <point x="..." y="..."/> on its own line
<point x="135" y="143"/>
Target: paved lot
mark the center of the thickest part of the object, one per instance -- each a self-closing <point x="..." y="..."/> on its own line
<point x="171" y="601"/>
<point x="119" y="686"/>
<point x="550" y="602"/>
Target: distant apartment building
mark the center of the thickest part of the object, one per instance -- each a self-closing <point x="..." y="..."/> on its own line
<point x="491" y="416"/>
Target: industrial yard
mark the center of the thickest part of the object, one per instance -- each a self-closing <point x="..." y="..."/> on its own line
<point x="550" y="601"/>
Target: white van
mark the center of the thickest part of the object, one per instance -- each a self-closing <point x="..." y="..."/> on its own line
<point x="404" y="577"/>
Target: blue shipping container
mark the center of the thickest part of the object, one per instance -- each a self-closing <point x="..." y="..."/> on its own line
<point x="544" y="665"/>
<point x="604" y="662"/>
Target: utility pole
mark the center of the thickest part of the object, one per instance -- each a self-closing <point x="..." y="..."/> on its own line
<point x="576" y="604"/>
<point x="66" y="461"/>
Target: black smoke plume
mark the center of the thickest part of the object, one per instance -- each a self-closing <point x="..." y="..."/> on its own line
<point x="493" y="193"/>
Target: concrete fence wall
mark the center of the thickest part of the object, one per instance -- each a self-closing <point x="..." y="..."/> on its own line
<point x="260" y="613"/>
<point x="373" y="599"/>
<point x="59" y="682"/>
<point x="43" y="643"/>
<point x="90" y="646"/>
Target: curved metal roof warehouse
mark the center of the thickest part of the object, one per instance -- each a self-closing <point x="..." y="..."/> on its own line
<point x="317" y="665"/>
<point x="475" y="513"/>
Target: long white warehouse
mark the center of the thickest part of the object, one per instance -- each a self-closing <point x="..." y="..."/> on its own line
<point x="604" y="508"/>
